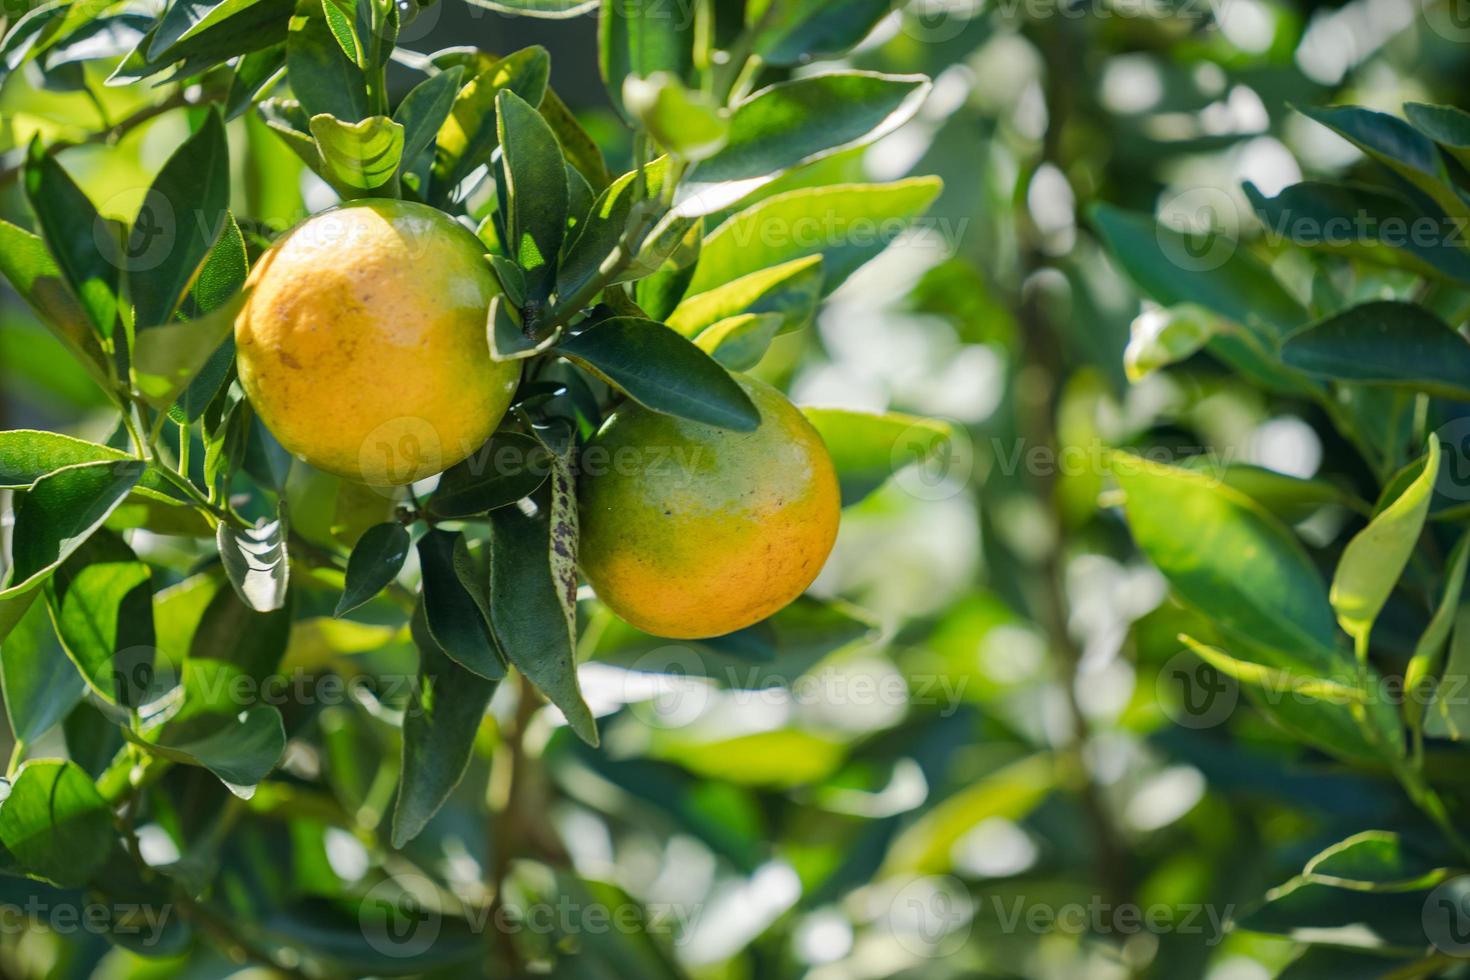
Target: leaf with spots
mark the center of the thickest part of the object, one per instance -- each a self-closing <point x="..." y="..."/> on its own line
<point x="533" y="585"/>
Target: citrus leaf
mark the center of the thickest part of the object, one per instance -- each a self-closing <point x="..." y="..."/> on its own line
<point x="868" y="449"/>
<point x="637" y="40"/>
<point x="508" y="468"/>
<point x="79" y="240"/>
<point x="663" y="371"/>
<point x="454" y="618"/>
<point x="535" y="191"/>
<point x="256" y="562"/>
<point x="59" y="513"/>
<point x="39" y="683"/>
<point x="739" y="342"/>
<point x="35" y="276"/>
<point x="469" y="136"/>
<point x="376" y="560"/>
<point x="792" y="289"/>
<point x="362" y="155"/>
<point x="1385" y="343"/>
<point x="1374" y="559"/>
<point x="439" y="728"/>
<point x="794" y="123"/>
<point x="167" y="359"/>
<point x="55" y="823"/>
<point x="101" y="600"/>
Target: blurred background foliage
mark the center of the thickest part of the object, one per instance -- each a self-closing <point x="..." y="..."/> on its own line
<point x="806" y="819"/>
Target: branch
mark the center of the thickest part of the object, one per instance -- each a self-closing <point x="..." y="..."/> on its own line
<point x="109" y="136"/>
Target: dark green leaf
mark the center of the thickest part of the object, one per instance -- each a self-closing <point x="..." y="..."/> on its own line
<point x="376" y="560"/>
<point x="323" y="79"/>
<point x="740" y="342"/>
<point x="231" y="631"/>
<point x="802" y="29"/>
<point x="638" y="38"/>
<point x="1385" y="343"/>
<point x="439" y="728"/>
<point x="455" y="619"/>
<point x="256" y="73"/>
<point x="167" y="359"/>
<point x="509" y="467"/>
<point x="1376" y="861"/>
<point x="535" y="191"/>
<point x="86" y="247"/>
<point x="470" y="134"/>
<point x="181" y="218"/>
<point x="547" y="9"/>
<point x="528" y="566"/>
<point x="579" y="148"/>
<point x="424" y="109"/>
<point x="663" y="371"/>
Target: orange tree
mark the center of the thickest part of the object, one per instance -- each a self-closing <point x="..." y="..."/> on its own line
<point x="365" y="434"/>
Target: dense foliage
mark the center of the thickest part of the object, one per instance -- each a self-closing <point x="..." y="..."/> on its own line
<point x="1142" y="651"/>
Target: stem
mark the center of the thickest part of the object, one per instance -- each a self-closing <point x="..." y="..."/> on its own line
<point x="16" y="755"/>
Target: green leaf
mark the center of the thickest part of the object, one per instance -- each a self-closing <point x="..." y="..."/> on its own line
<point x="661" y="370"/>
<point x="470" y="134"/>
<point x="579" y="148"/>
<point x="439" y="729"/>
<point x="535" y="191"/>
<point x="545" y="9"/>
<point x="1376" y="861"/>
<point x="1429" y="651"/>
<point x="80" y="241"/>
<point x="180" y="219"/>
<point x="454" y="616"/>
<point x="686" y="123"/>
<point x="1273" y="681"/>
<point x="254" y="75"/>
<point x="167" y="359"/>
<point x="1397" y="146"/>
<point x="1447" y="125"/>
<point x="663" y="289"/>
<point x="1290" y="498"/>
<point x="508" y="468"/>
<point x="1157" y="258"/>
<point x="606" y="225"/>
<point x="1332" y="963"/>
<point x="423" y="111"/>
<point x="868" y="449"/>
<point x="1377" y="555"/>
<point x="363" y="155"/>
<point x="323" y="79"/>
<point x="1237" y="564"/>
<point x="231" y="631"/>
<point x="376" y="561"/>
<point x="37" y="278"/>
<point x="793" y="290"/>
<point x="39" y="684"/>
<point x="1385" y="343"/>
<point x="1373" y="223"/>
<point x="1158" y="338"/>
<point x="533" y="579"/>
<point x="846" y="224"/>
<point x="797" y="122"/>
<point x="101" y="600"/>
<point x="803" y="29"/>
<point x="740" y="342"/>
<point x="927" y="845"/>
<point x="59" y="513"/>
<point x="26" y="455"/>
<point x="210" y="34"/>
<point x="211" y="728"/>
<point x="55" y="823"/>
<point x="640" y="38"/>
<point x="24" y="34"/>
<point x="341" y="16"/>
<point x="1320" y="913"/>
<point x="256" y="562"/>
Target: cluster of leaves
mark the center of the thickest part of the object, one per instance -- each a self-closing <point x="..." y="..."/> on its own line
<point x="651" y="286"/>
<point x="1370" y="669"/>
